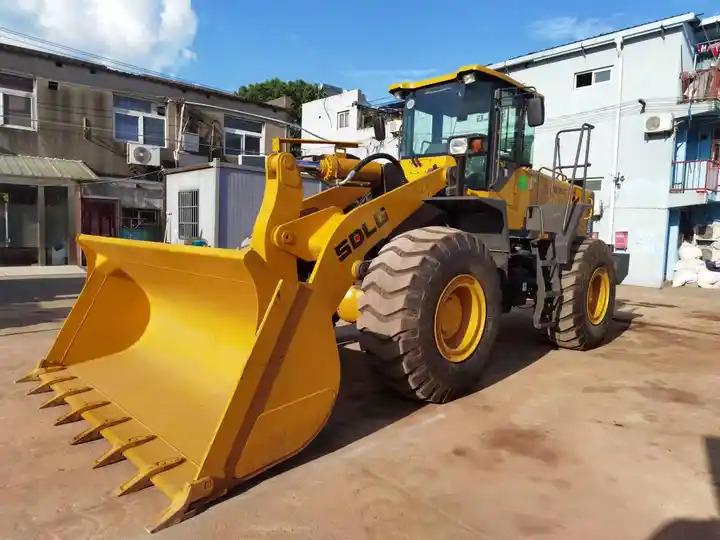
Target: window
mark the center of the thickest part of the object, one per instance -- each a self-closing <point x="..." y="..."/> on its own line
<point x="367" y="119"/>
<point x="602" y="76"/>
<point x="343" y="119"/>
<point x="583" y="79"/>
<point x="243" y="136"/>
<point x="16" y="101"/>
<point x="515" y="137"/>
<point x="588" y="78"/>
<point x="434" y="115"/>
<point x="508" y="137"/>
<point x="139" y="120"/>
<point x="132" y="218"/>
<point x="188" y="214"/>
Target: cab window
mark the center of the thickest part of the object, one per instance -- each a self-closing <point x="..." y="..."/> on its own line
<point x="515" y="137"/>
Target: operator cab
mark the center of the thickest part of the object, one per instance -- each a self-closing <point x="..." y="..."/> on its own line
<point x="482" y="118"/>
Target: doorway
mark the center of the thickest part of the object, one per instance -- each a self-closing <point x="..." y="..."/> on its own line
<point x="99" y="216"/>
<point x="19" y="227"/>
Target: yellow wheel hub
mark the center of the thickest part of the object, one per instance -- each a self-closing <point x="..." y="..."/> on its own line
<point x="598" y="295"/>
<point x="460" y="318"/>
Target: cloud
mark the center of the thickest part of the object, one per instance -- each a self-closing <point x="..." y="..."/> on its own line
<point x="569" y="28"/>
<point x="397" y="74"/>
<point x="153" y="34"/>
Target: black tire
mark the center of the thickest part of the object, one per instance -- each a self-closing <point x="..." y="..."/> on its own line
<point x="573" y="328"/>
<point x="397" y="311"/>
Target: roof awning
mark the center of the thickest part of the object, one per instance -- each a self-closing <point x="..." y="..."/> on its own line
<point x="43" y="170"/>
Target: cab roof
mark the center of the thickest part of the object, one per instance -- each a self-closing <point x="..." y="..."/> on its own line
<point x="456" y="75"/>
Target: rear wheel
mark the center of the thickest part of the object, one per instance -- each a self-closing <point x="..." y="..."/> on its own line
<point x="588" y="297"/>
<point x="429" y="312"/>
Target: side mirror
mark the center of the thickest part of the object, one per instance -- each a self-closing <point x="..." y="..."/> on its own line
<point x="379" y="128"/>
<point x="536" y="111"/>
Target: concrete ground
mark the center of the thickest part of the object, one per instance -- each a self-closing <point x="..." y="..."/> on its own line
<point x="21" y="272"/>
<point x="621" y="442"/>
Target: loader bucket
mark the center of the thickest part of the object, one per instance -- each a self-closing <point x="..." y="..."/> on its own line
<point x="199" y="365"/>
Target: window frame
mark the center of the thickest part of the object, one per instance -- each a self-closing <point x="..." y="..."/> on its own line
<point x="343" y="114"/>
<point x="182" y="223"/>
<point x="20" y="93"/>
<point x="244" y="133"/>
<point x="593" y="74"/>
<point x="140" y="115"/>
<point x="522" y="135"/>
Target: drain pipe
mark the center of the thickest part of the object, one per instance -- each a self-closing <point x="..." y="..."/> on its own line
<point x="616" y="149"/>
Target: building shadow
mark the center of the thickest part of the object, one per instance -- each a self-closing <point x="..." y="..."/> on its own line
<point x="21" y="300"/>
<point x="19" y="316"/>
<point x="697" y="529"/>
<point x="17" y="291"/>
<point x="688" y="529"/>
<point x="712" y="454"/>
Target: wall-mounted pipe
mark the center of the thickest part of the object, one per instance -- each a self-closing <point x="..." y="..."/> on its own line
<point x="616" y="149"/>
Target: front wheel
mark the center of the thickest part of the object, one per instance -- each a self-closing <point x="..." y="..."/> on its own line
<point x="588" y="297"/>
<point x="429" y="312"/>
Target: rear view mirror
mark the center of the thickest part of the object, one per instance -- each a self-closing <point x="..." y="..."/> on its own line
<point x="536" y="111"/>
<point x="379" y="128"/>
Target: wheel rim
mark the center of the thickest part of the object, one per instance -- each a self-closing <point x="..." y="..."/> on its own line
<point x="598" y="295"/>
<point x="460" y="318"/>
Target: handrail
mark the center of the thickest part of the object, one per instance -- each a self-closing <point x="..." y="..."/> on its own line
<point x="699" y="175"/>
<point x="582" y="151"/>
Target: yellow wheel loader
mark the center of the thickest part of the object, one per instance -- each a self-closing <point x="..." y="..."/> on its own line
<point x="205" y="367"/>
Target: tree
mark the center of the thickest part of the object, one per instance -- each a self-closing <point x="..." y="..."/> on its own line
<point x="298" y="91"/>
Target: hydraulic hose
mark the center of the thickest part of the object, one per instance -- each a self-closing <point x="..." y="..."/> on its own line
<point x="368" y="159"/>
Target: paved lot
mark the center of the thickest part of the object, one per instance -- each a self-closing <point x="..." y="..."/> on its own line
<point x="621" y="442"/>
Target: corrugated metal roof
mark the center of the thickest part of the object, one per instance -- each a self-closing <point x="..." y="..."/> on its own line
<point x="44" y="168"/>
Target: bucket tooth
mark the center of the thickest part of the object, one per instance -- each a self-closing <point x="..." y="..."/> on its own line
<point x="60" y="398"/>
<point x="93" y="433"/>
<point x="34" y="375"/>
<point x="186" y="503"/>
<point x="115" y="454"/>
<point x="45" y="386"/>
<point x="76" y="414"/>
<point x="142" y="479"/>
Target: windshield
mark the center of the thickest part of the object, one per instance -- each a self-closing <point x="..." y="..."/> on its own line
<point x="435" y="114"/>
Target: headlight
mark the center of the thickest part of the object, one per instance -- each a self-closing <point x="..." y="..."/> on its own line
<point x="469" y="78"/>
<point x="458" y="146"/>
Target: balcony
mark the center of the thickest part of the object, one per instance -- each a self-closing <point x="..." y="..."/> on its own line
<point x="700" y="85"/>
<point x="699" y="175"/>
<point x="694" y="182"/>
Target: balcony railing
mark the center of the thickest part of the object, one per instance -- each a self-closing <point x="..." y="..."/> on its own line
<point x="700" y="176"/>
<point x="701" y="84"/>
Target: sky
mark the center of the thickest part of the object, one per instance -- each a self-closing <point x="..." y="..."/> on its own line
<point x="362" y="44"/>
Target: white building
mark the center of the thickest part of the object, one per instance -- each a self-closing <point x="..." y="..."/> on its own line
<point x="629" y="85"/>
<point x="348" y="116"/>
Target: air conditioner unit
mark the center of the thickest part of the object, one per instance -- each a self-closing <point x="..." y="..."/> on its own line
<point x="143" y="154"/>
<point x="659" y="123"/>
<point x="190" y="142"/>
<point x="251" y="160"/>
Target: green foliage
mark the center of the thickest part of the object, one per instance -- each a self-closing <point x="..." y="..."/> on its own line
<point x="298" y="91"/>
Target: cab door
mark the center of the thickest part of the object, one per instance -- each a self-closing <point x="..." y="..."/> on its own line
<point x="512" y="154"/>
